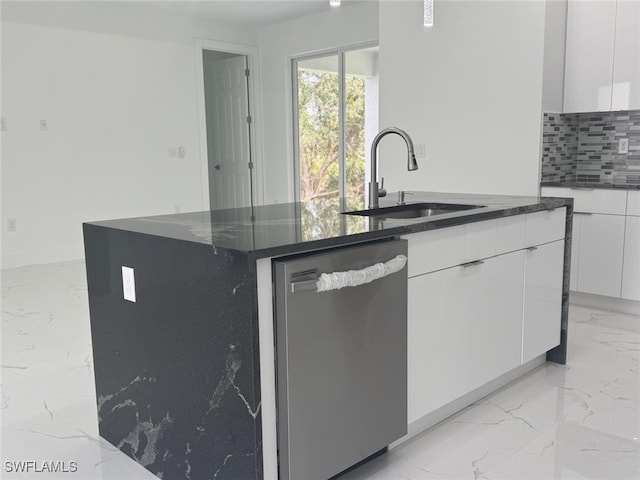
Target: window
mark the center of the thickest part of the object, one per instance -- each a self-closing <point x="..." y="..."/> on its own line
<point x="336" y="117"/>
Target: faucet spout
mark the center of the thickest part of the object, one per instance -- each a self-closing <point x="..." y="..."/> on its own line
<point x="375" y="190"/>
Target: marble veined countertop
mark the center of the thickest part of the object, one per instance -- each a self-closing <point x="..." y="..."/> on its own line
<point x="277" y="229"/>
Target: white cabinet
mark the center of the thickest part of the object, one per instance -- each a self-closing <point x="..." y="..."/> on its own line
<point x="589" y="55"/>
<point x="626" y="59"/>
<point x="591" y="200"/>
<point x="494" y="311"/>
<point x="631" y="266"/>
<point x="633" y="203"/>
<point x="600" y="254"/>
<point x="601" y="249"/>
<point x="575" y="253"/>
<point x="466" y="317"/>
<point x="464" y="328"/>
<point x="542" y="299"/>
<point x="438" y="340"/>
<point x="437" y="249"/>
<point x="602" y="59"/>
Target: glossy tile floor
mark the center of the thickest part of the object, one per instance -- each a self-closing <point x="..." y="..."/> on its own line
<point x="581" y="420"/>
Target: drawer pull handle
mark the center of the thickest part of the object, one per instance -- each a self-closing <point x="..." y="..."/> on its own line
<point x="472" y="264"/>
<point x="586" y="189"/>
<point x="582" y="213"/>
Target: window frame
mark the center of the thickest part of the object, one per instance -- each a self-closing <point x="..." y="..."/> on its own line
<point x="342" y="160"/>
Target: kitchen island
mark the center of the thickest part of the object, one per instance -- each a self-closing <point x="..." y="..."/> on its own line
<point x="183" y="347"/>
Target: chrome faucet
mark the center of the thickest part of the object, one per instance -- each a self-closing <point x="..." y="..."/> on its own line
<point x="376" y="190"/>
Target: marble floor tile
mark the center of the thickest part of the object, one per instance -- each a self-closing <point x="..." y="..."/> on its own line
<point x="580" y="420"/>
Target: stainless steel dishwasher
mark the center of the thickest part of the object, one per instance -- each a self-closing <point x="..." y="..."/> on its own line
<point x="341" y="357"/>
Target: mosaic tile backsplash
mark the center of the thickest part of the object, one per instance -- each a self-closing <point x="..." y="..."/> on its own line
<point x="583" y="147"/>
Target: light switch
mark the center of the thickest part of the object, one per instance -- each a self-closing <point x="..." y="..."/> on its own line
<point x="419" y="150"/>
<point x="128" y="284"/>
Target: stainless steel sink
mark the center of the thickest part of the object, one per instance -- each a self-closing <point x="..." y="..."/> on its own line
<point x="413" y="210"/>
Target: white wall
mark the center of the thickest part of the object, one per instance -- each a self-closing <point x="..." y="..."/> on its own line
<point x="115" y="98"/>
<point x="469" y="88"/>
<point x="279" y="43"/>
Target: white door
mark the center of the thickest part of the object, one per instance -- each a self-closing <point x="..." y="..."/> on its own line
<point x="228" y="135"/>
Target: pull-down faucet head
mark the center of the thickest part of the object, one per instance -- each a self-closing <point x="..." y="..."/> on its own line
<point x="374" y="190"/>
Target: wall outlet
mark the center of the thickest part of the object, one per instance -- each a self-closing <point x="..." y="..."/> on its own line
<point x="172" y="153"/>
<point x="3" y="124"/>
<point x="177" y="208"/>
<point x="128" y="284"/>
<point x="44" y="125"/>
<point x="12" y="225"/>
<point x="623" y="145"/>
<point x="418" y="150"/>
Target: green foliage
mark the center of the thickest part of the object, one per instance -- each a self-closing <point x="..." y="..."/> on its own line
<point x="318" y="129"/>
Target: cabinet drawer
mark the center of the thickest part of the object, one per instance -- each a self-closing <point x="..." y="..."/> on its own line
<point x="633" y="203"/>
<point x="447" y="247"/>
<point x="612" y="202"/>
<point x="546" y="226"/>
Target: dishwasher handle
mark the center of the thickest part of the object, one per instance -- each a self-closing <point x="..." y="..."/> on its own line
<point x="350" y="278"/>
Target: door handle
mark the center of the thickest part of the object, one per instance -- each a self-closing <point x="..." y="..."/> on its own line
<point x="351" y="278"/>
<point x="472" y="264"/>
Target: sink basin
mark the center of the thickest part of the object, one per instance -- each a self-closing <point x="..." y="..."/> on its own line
<point x="414" y="210"/>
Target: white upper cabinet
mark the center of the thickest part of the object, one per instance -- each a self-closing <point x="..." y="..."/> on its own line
<point x="626" y="58"/>
<point x="589" y="55"/>
<point x="602" y="60"/>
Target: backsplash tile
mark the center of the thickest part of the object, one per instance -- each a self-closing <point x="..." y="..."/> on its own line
<point x="559" y="147"/>
<point x="583" y="147"/>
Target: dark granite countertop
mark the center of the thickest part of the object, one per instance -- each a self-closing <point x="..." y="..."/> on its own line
<point x="590" y="185"/>
<point x="272" y="230"/>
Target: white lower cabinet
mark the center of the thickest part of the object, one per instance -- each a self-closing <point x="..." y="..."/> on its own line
<point x="600" y="254"/>
<point x="631" y="266"/>
<point x="542" y="299"/>
<point x="494" y="312"/>
<point x="575" y="253"/>
<point x="438" y="341"/>
<point x="464" y="329"/>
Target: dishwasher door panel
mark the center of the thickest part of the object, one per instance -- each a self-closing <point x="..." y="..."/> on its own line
<point x="342" y="363"/>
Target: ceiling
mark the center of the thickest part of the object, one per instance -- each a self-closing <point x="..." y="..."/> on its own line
<point x="247" y="12"/>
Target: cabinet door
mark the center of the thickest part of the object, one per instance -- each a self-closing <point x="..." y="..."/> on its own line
<point x="438" y="341"/>
<point x="600" y="255"/>
<point x="575" y="252"/>
<point x="494" y="312"/>
<point x="626" y="60"/>
<point x="631" y="266"/>
<point x="542" y="299"/>
<point x="589" y="55"/>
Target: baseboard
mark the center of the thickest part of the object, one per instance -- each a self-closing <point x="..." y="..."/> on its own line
<point x="421" y="425"/>
<point x="601" y="302"/>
